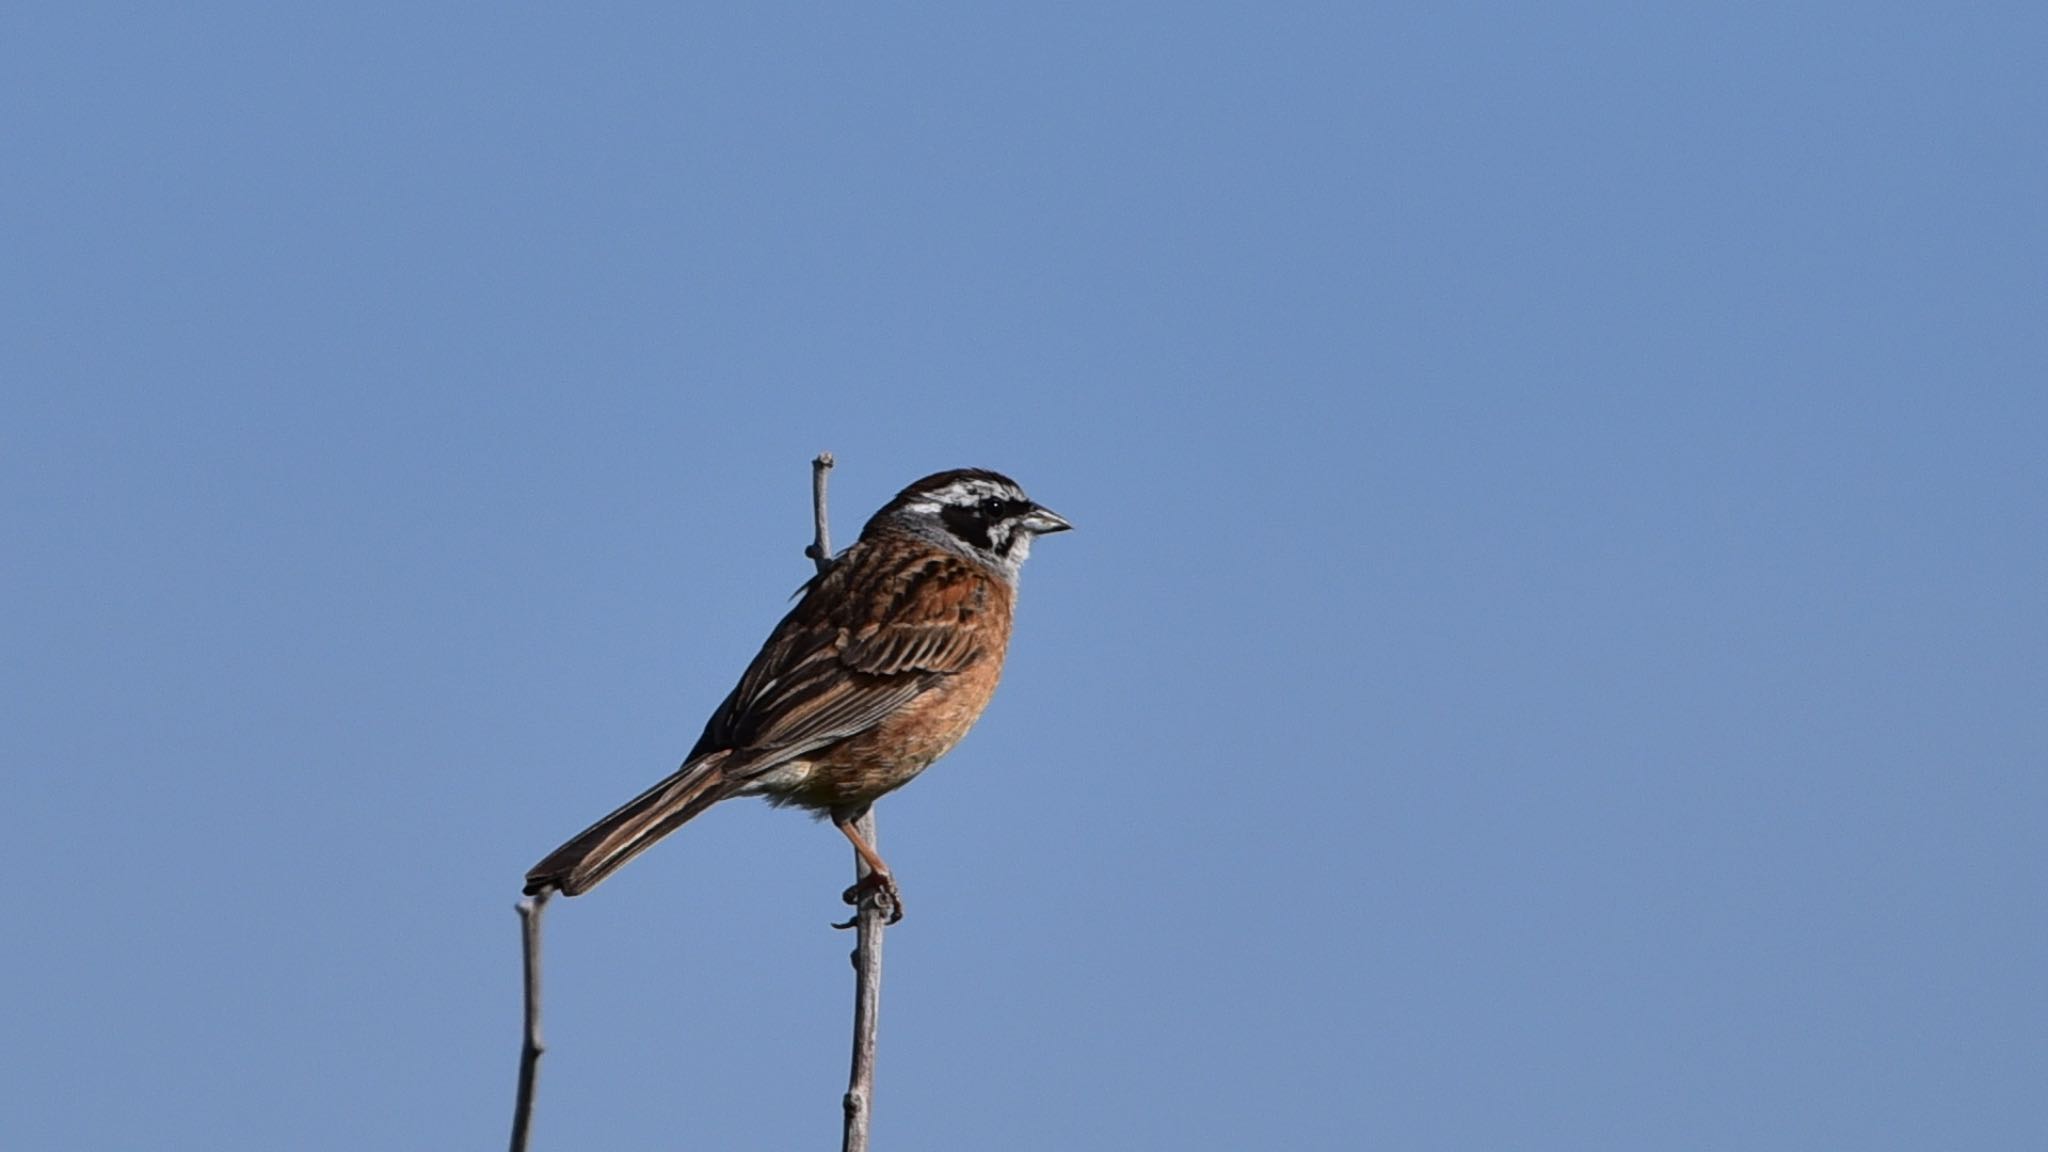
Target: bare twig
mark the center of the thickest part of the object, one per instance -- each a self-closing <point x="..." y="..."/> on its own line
<point x="872" y="916"/>
<point x="820" y="549"/>
<point x="530" y="1047"/>
<point x="872" y="913"/>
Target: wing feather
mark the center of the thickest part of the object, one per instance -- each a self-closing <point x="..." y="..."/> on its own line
<point x="827" y="674"/>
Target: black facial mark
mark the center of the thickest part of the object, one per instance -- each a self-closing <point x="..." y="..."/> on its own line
<point x="969" y="524"/>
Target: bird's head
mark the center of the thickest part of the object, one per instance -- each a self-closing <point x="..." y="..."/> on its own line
<point x="981" y="513"/>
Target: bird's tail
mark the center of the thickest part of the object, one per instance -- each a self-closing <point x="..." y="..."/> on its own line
<point x="599" y="850"/>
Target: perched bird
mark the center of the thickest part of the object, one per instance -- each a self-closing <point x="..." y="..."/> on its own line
<point x="884" y="664"/>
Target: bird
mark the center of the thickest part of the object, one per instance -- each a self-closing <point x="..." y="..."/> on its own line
<point x="890" y="655"/>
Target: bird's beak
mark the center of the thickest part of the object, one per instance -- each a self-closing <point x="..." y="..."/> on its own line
<point x="1041" y="520"/>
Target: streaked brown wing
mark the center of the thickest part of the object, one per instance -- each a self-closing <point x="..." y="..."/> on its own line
<point x="825" y="674"/>
<point x="895" y="649"/>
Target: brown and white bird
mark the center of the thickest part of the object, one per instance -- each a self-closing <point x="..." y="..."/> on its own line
<point x="883" y="665"/>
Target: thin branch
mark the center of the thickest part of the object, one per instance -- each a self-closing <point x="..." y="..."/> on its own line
<point x="530" y="1047"/>
<point x="820" y="549"/>
<point x="871" y="914"/>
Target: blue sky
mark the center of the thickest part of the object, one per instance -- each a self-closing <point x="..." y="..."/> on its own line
<point x="1553" y="656"/>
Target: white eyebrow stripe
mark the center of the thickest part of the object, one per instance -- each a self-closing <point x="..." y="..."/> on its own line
<point x="967" y="491"/>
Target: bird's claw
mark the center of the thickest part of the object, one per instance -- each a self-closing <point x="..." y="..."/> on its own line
<point x="875" y="890"/>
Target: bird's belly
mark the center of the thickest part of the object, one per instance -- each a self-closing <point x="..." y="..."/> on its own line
<point x="859" y="769"/>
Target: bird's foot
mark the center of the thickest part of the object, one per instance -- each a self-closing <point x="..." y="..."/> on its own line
<point x="875" y="890"/>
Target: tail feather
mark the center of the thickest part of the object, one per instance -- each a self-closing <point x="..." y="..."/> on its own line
<point x="599" y="850"/>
